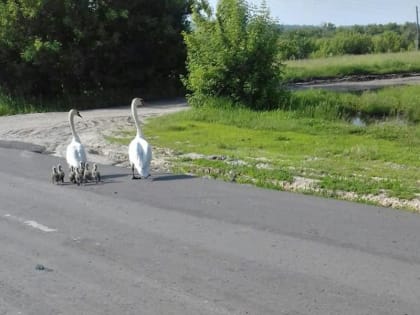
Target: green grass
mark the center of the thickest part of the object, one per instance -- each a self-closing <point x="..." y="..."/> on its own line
<point x="19" y="105"/>
<point x="269" y="149"/>
<point x="332" y="67"/>
<point x="11" y="105"/>
<point x="398" y="102"/>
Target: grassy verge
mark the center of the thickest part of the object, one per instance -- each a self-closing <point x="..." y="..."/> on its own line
<point x="341" y="66"/>
<point x="279" y="149"/>
<point x="11" y="105"/>
<point x="401" y="103"/>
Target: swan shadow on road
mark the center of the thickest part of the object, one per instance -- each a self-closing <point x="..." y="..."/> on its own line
<point x="105" y="179"/>
<point x="168" y="177"/>
<point x="109" y="178"/>
<point x="112" y="176"/>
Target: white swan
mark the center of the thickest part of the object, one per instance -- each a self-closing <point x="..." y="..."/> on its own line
<point x="139" y="150"/>
<point x="75" y="151"/>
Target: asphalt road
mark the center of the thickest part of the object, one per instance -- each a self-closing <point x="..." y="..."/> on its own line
<point x="183" y="245"/>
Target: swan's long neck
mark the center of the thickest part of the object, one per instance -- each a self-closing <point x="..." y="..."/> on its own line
<point x="73" y="130"/>
<point x="136" y="120"/>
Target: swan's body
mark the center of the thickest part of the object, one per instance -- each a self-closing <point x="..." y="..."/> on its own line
<point x="75" y="151"/>
<point x="139" y="150"/>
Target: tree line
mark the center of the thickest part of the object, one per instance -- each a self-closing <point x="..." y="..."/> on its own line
<point x="329" y="40"/>
<point x="55" y="49"/>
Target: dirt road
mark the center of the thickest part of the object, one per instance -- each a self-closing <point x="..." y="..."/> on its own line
<point x="52" y="131"/>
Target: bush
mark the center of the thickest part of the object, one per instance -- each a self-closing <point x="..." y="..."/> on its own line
<point x="62" y="47"/>
<point x="387" y="42"/>
<point x="233" y="55"/>
<point x="345" y="43"/>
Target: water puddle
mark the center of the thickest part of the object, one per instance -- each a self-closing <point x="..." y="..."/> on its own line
<point x="365" y="120"/>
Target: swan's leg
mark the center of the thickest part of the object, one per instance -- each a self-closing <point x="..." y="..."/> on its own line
<point x="145" y="171"/>
<point x="132" y="170"/>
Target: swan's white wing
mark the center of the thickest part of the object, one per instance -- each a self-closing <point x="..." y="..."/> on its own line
<point x="147" y="157"/>
<point x="75" y="154"/>
<point x="140" y="154"/>
<point x="80" y="151"/>
<point x="71" y="156"/>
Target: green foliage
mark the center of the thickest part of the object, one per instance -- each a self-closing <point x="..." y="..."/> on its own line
<point x="342" y="43"/>
<point x="328" y="40"/>
<point x="233" y="55"/>
<point x="296" y="45"/>
<point x="396" y="103"/>
<point x="388" y="41"/>
<point x="400" y="103"/>
<point x="341" y="66"/>
<point x="62" y="47"/>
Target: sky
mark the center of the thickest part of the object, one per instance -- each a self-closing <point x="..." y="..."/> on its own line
<point x="340" y="12"/>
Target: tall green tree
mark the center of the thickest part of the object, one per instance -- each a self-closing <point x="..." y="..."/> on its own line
<point x="233" y="54"/>
<point x="64" y="47"/>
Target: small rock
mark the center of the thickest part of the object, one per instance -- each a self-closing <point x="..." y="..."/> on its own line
<point x="39" y="267"/>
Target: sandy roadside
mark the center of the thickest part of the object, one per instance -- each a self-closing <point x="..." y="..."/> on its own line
<point x="51" y="130"/>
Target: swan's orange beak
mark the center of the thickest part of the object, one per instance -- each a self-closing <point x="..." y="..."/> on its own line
<point x="78" y="114"/>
